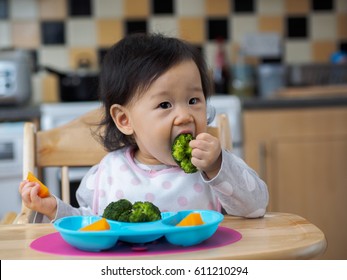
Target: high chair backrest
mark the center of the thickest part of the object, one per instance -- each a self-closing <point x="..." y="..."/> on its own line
<point x="74" y="144"/>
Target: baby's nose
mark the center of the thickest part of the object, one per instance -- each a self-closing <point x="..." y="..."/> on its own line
<point x="183" y="116"/>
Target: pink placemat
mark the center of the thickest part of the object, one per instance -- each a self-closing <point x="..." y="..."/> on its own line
<point x="54" y="244"/>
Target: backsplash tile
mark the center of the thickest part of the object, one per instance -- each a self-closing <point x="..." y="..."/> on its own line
<point x="322" y="5"/>
<point x="343" y="46"/>
<point x="295" y="7"/>
<point x="322" y="49"/>
<point x="192" y="29"/>
<point x="4" y="9"/>
<point x="52" y="9"/>
<point x="342" y="25"/>
<point x="165" y="24"/>
<point x="270" y="7"/>
<point x="52" y="33"/>
<point x="5" y="31"/>
<point x="218" y="28"/>
<point x="190" y="8"/>
<point x="136" y="8"/>
<point x="20" y="9"/>
<point x="244" y="6"/>
<point x="298" y="51"/>
<point x="25" y="34"/>
<point x="163" y="7"/>
<point x="83" y="58"/>
<point x="222" y="9"/>
<point x="241" y="25"/>
<point x="136" y="26"/>
<point x="297" y="27"/>
<point x="80" y="7"/>
<point x="54" y="56"/>
<point x="108" y="31"/>
<point x="81" y="32"/>
<point x="324" y="31"/>
<point x="108" y="8"/>
<point x="271" y="23"/>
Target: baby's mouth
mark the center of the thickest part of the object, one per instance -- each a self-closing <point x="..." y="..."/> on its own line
<point x="186" y="131"/>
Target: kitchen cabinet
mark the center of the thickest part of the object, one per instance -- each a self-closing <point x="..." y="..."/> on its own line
<point x="301" y="153"/>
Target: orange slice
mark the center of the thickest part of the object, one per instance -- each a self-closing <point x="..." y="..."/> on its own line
<point x="192" y="219"/>
<point x="43" y="191"/>
<point x="101" y="224"/>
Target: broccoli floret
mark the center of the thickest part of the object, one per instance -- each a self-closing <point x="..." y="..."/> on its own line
<point x="116" y="208"/>
<point x="182" y="152"/>
<point x="124" y="211"/>
<point x="144" y="212"/>
<point x="124" y="217"/>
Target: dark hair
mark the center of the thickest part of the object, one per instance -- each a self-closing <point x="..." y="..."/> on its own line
<point x="131" y="66"/>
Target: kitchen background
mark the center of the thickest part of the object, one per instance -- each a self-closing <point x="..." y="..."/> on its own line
<point x="67" y="34"/>
<point x="286" y="59"/>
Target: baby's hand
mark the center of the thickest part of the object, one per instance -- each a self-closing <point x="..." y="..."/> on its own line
<point x="207" y="154"/>
<point x="29" y="193"/>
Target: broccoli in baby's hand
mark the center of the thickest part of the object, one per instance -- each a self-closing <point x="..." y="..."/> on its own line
<point x="182" y="152"/>
<point x="124" y="211"/>
<point x="115" y="209"/>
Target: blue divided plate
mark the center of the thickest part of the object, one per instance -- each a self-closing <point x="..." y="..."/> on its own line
<point x="68" y="228"/>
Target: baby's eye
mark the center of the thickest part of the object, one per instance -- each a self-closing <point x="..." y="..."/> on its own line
<point x="165" y="105"/>
<point x="193" y="101"/>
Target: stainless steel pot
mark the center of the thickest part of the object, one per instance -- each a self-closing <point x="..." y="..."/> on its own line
<point x="79" y="85"/>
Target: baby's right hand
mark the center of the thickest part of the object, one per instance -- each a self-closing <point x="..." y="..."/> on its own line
<point x="29" y="193"/>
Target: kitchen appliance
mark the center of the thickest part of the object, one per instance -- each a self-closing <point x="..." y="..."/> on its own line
<point x="11" y="149"/>
<point x="53" y="115"/>
<point x="271" y="78"/>
<point x="79" y="85"/>
<point x="15" y="77"/>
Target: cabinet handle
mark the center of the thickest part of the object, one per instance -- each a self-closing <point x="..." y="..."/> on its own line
<point x="262" y="160"/>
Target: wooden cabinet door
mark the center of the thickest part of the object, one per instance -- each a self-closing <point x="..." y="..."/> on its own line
<point x="310" y="179"/>
<point x="302" y="156"/>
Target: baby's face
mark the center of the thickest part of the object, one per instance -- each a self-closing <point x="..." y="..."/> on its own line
<point x="172" y="105"/>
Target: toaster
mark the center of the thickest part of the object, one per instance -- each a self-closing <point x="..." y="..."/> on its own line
<point x="15" y="77"/>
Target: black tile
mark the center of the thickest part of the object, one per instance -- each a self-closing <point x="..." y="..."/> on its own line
<point x="80" y="7"/>
<point x="101" y="54"/>
<point x="163" y="6"/>
<point x="322" y="5"/>
<point x="4" y="9"/>
<point x="244" y="6"/>
<point x="135" y="26"/>
<point x="217" y="29"/>
<point x="52" y="33"/>
<point x="343" y="46"/>
<point x="297" y="27"/>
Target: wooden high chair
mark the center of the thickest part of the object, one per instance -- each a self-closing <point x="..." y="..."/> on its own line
<point x="73" y="144"/>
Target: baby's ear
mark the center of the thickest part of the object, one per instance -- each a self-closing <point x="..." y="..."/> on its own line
<point x="120" y="116"/>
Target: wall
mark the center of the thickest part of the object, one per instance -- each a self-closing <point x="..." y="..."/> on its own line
<point x="61" y="32"/>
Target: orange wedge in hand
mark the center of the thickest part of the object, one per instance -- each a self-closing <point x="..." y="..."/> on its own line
<point x="43" y="191"/>
<point x="192" y="219"/>
<point x="101" y="224"/>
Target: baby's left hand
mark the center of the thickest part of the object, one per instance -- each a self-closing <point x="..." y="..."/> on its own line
<point x="207" y="154"/>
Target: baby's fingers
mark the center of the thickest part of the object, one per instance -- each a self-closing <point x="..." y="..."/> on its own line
<point x="28" y="191"/>
<point x="21" y="185"/>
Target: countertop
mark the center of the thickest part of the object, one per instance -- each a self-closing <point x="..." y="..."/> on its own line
<point x="301" y="97"/>
<point x="23" y="113"/>
<point x="32" y="112"/>
<point x="303" y="102"/>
